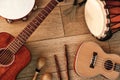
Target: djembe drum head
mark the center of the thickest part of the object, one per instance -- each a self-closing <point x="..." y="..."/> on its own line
<point x="102" y="17"/>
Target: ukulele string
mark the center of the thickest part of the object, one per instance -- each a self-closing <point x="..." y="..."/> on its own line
<point x="100" y="60"/>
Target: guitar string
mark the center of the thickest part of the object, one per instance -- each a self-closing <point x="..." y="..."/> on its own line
<point x="5" y="51"/>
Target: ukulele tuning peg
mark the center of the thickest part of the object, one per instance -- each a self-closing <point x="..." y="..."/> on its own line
<point x="47" y="76"/>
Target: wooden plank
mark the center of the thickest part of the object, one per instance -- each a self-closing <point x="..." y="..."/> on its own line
<point x="47" y="48"/>
<point x="50" y="28"/>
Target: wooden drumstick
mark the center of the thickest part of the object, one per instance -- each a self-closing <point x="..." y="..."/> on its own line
<point x="40" y="64"/>
<point x="47" y="76"/>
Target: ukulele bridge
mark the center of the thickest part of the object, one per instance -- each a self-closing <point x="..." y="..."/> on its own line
<point x="93" y="60"/>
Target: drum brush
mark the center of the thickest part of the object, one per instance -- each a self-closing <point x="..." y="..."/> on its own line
<point x="40" y="64"/>
<point x="47" y="76"/>
<point x="72" y="10"/>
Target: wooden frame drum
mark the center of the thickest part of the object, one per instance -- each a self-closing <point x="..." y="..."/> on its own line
<point x="16" y="9"/>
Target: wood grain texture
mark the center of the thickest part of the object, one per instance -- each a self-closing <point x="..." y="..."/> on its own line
<point x="50" y="37"/>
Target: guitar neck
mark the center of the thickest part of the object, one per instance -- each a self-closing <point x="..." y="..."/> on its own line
<point x="15" y="45"/>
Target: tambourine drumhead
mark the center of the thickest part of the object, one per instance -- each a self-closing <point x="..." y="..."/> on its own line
<point x="95" y="17"/>
<point x="15" y="9"/>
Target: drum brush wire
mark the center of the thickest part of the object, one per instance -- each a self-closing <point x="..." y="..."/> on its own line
<point x="72" y="10"/>
<point x="40" y="64"/>
<point x="47" y="76"/>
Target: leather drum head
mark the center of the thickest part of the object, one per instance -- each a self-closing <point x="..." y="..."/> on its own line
<point x="15" y="9"/>
<point x="95" y="17"/>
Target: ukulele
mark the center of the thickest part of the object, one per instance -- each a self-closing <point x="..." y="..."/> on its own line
<point x="91" y="61"/>
<point x="14" y="56"/>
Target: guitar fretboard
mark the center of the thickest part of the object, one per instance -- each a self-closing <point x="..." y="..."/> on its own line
<point x="15" y="45"/>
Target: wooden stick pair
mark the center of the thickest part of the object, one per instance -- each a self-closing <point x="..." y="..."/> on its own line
<point x="58" y="66"/>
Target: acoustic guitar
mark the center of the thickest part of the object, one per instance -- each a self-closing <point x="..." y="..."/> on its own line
<point x="14" y="56"/>
<point x="91" y="61"/>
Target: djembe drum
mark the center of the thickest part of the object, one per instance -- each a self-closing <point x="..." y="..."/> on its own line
<point x="13" y="10"/>
<point x="103" y="18"/>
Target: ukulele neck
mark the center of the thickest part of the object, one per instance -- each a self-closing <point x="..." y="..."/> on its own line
<point x="117" y="67"/>
<point x="16" y="44"/>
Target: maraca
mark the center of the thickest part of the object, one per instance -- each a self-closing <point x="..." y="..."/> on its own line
<point x="40" y="64"/>
<point x="47" y="76"/>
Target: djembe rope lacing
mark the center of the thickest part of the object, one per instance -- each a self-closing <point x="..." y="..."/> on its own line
<point x="112" y="8"/>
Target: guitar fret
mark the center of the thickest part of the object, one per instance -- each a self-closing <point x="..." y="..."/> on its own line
<point x="38" y="19"/>
<point x="16" y="46"/>
<point x="47" y="9"/>
<point x="27" y="33"/>
<point x="43" y="13"/>
<point x="17" y="41"/>
<point x="34" y="24"/>
<point x="11" y="49"/>
<point x="30" y="31"/>
<point x="19" y="38"/>
<point x="23" y="36"/>
<point x="31" y="27"/>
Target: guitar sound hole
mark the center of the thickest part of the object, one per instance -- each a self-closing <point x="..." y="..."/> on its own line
<point x="108" y="65"/>
<point x="6" y="57"/>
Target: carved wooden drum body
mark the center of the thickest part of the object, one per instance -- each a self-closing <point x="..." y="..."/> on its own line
<point x="103" y="17"/>
<point x="16" y="9"/>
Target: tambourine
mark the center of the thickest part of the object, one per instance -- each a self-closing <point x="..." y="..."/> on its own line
<point x="103" y="18"/>
<point x="16" y="9"/>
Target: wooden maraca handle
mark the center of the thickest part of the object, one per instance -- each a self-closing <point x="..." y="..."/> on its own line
<point x="35" y="76"/>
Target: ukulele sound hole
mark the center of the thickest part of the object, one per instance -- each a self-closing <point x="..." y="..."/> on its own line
<point x="6" y="57"/>
<point x="108" y="65"/>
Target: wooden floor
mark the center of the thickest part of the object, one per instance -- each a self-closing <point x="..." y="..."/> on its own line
<point x="51" y="36"/>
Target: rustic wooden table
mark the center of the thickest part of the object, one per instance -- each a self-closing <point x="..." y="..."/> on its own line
<point x="50" y="37"/>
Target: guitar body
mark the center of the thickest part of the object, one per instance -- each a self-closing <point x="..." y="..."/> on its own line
<point x="91" y="61"/>
<point x="22" y="58"/>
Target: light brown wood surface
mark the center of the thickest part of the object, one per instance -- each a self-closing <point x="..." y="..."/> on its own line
<point x="50" y="37"/>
